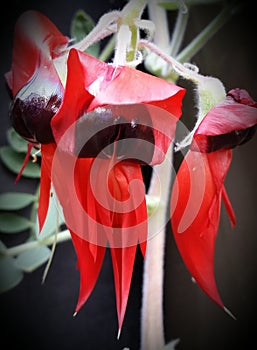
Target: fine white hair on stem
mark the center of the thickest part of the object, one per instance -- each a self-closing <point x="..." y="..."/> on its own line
<point x="105" y="26"/>
<point x="187" y="71"/>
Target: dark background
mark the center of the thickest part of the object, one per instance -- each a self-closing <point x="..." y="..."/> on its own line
<point x="40" y="316"/>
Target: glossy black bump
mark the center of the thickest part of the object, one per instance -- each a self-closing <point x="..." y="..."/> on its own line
<point x="31" y="116"/>
<point x="98" y="131"/>
<point x="207" y="144"/>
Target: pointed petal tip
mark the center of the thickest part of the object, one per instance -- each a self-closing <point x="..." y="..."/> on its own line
<point x="118" y="335"/>
<point x="229" y="313"/>
<point x="75" y="314"/>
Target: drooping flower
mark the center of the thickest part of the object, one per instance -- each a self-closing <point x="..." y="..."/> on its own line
<point x="117" y="120"/>
<point x="199" y="184"/>
<point x="96" y="129"/>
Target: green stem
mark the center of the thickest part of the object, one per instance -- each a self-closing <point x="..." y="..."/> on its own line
<point x="131" y="54"/>
<point x="178" y="32"/>
<point x="61" y="237"/>
<point x="127" y="35"/>
<point x="201" y="39"/>
<point x="108" y="49"/>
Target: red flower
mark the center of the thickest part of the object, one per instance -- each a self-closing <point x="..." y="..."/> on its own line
<point x="105" y="123"/>
<point x="199" y="185"/>
<point x="112" y="120"/>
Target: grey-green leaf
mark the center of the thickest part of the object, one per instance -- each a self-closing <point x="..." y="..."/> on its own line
<point x="13" y="161"/>
<point x="31" y="259"/>
<point x="10" y="274"/>
<point x="81" y="25"/>
<point x="13" y="223"/>
<point x="54" y="220"/>
<point x="16" y="141"/>
<point x="15" y="200"/>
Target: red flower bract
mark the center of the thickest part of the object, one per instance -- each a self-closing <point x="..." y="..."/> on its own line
<point x="199" y="185"/>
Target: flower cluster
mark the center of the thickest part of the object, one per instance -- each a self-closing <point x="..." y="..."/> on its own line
<point x="97" y="124"/>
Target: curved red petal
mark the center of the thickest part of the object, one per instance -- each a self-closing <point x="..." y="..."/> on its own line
<point x="47" y="154"/>
<point x="34" y="35"/>
<point x="113" y="85"/>
<point x="71" y="182"/>
<point x="195" y="214"/>
<point x="25" y="162"/>
<point x="120" y="183"/>
<point x="89" y="267"/>
<point x="129" y="86"/>
<point x="229" y="207"/>
<point x="75" y="99"/>
<point x="123" y="264"/>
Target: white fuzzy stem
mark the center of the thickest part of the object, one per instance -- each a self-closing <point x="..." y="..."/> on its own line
<point x="152" y="329"/>
<point x="158" y="16"/>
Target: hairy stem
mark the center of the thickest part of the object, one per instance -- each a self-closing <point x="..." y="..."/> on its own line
<point x="152" y="329"/>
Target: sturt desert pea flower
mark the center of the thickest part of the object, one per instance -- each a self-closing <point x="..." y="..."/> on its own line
<point x="199" y="185"/>
<point x="117" y="120"/>
<point x="129" y="114"/>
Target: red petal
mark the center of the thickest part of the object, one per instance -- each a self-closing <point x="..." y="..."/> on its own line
<point x="226" y="117"/>
<point x="120" y="178"/>
<point x="123" y="264"/>
<point x="47" y="152"/>
<point x="88" y="265"/>
<point x="73" y="104"/>
<point x="71" y="182"/>
<point x="130" y="86"/>
<point x="34" y="34"/>
<point x="123" y="85"/>
<point x="242" y="96"/>
<point x="195" y="213"/>
<point x="228" y="206"/>
<point x="25" y="162"/>
<point x="82" y="210"/>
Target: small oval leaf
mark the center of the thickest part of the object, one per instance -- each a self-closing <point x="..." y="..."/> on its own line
<point x="13" y="161"/>
<point x="15" y="200"/>
<point x="13" y="223"/>
<point x="10" y="275"/>
<point x="16" y="141"/>
<point x="81" y="25"/>
<point x="31" y="259"/>
<point x="54" y="220"/>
